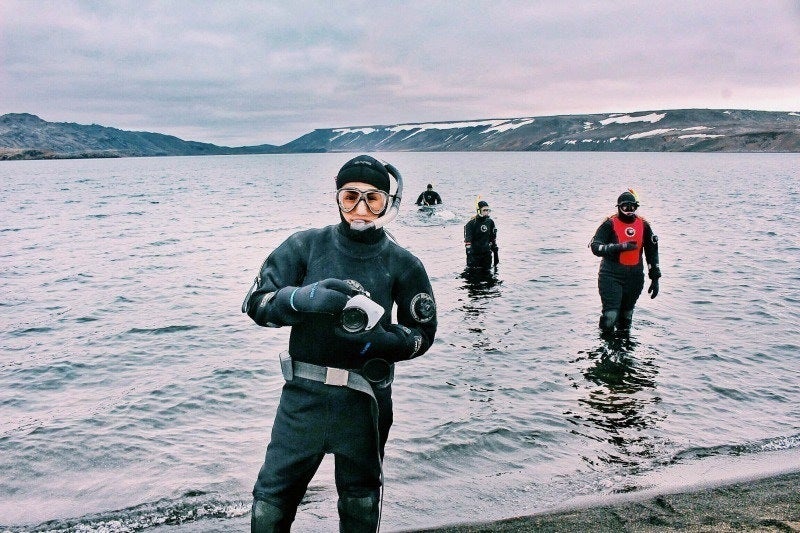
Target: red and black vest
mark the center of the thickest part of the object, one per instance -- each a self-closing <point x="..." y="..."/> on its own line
<point x="629" y="231"/>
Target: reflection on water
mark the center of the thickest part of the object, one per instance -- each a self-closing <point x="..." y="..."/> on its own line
<point x="619" y="406"/>
<point x="480" y="284"/>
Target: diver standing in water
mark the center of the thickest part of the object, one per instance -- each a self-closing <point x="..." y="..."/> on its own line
<point x="336" y="287"/>
<point x="620" y="240"/>
<point x="429" y="197"/>
<point x="480" y="239"/>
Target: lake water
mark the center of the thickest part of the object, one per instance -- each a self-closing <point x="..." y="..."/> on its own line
<point x="134" y="393"/>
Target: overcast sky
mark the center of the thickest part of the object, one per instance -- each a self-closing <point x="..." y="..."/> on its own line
<point x="250" y="72"/>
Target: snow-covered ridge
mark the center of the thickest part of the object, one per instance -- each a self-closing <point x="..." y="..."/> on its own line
<point x="25" y="136"/>
<point x="492" y="125"/>
<point x="675" y="130"/>
<point x="627" y="119"/>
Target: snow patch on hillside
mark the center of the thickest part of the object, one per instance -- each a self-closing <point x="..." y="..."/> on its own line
<point x="627" y="119"/>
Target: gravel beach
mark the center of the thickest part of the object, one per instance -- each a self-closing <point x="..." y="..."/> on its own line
<point x="770" y="504"/>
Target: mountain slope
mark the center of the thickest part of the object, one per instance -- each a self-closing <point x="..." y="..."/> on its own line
<point x="26" y="136"/>
<point x="696" y="130"/>
<point x="23" y="132"/>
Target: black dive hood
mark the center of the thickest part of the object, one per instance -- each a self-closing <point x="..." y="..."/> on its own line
<point x="391" y="211"/>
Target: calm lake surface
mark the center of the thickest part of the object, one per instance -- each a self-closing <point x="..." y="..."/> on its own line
<point x="135" y="394"/>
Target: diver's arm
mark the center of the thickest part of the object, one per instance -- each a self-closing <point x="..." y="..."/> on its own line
<point x="415" y="329"/>
<point x="416" y="311"/>
<point x="416" y="319"/>
<point x="651" y="251"/>
<point x="468" y="230"/>
<point x="493" y="245"/>
<point x="283" y="268"/>
<point x="603" y="244"/>
<point x="277" y="298"/>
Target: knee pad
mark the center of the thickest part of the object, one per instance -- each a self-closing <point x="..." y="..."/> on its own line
<point x="358" y="514"/>
<point x="266" y="518"/>
<point x="625" y="319"/>
<point x="608" y="320"/>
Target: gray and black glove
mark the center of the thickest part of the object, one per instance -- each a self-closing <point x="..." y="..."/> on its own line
<point x="326" y="296"/>
<point x="392" y="342"/>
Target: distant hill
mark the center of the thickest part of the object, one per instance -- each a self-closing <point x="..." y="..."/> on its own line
<point x="683" y="130"/>
<point x="26" y="136"/>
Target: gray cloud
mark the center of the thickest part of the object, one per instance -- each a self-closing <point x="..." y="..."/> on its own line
<point x="250" y="72"/>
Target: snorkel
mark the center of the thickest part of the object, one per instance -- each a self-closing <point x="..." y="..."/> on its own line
<point x="391" y="211"/>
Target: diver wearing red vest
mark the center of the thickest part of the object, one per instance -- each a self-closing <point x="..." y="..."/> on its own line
<point x="620" y="241"/>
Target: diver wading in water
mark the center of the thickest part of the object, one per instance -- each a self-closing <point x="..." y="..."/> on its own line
<point x="336" y="287"/>
<point x="429" y="197"/>
<point x="480" y="239"/>
<point x="620" y="241"/>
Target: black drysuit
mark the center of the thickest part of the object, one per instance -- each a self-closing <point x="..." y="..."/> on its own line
<point x="314" y="418"/>
<point x="621" y="284"/>
<point x="429" y="198"/>
<point x="480" y="239"/>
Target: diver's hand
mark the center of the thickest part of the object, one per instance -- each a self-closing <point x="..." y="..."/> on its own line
<point x="326" y="296"/>
<point x="654" y="272"/>
<point x="392" y="342"/>
<point x="653" y="288"/>
<point x="627" y="246"/>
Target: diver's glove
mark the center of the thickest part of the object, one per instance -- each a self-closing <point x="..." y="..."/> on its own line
<point x="653" y="273"/>
<point x="616" y="247"/>
<point x="392" y="342"/>
<point x="653" y="288"/>
<point x="326" y="296"/>
<point x="496" y="253"/>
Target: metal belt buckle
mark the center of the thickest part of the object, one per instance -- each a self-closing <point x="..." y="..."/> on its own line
<point x="336" y="376"/>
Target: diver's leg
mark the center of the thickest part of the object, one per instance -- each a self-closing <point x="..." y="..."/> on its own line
<point x="266" y="518"/>
<point x="608" y="320"/>
<point x="294" y="453"/>
<point x="611" y="298"/>
<point x="630" y="295"/>
<point x="357" y="449"/>
<point x="625" y="319"/>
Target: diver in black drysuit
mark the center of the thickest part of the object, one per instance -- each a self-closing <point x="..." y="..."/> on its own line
<point x="429" y="197"/>
<point x="301" y="285"/>
<point x="480" y="239"/>
<point x="620" y="240"/>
